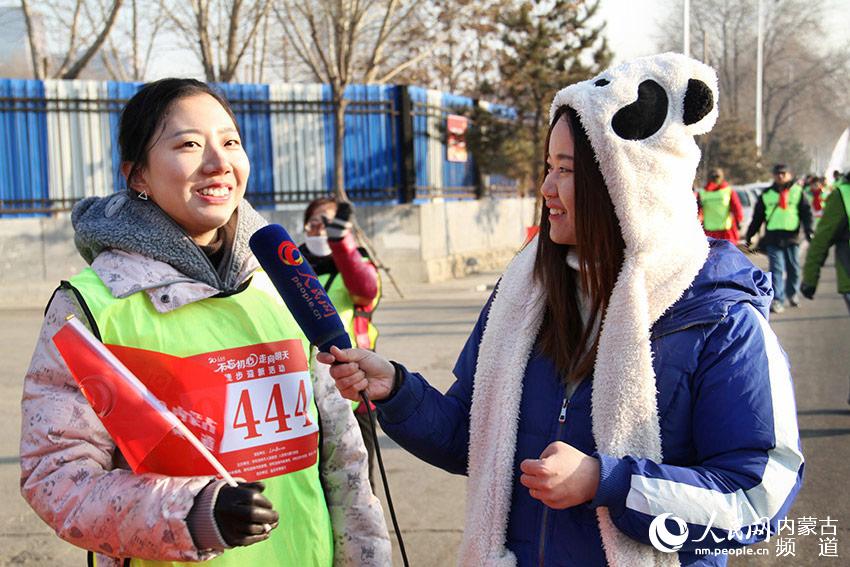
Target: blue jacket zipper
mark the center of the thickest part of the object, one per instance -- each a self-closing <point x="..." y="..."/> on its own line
<point x="562" y="418"/>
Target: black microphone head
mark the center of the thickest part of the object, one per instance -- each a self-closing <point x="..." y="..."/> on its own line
<point x="299" y="286"/>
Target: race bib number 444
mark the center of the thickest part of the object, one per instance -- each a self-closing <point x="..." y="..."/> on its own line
<point x="251" y="406"/>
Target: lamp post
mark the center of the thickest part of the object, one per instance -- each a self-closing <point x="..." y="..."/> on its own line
<point x="759" y="75"/>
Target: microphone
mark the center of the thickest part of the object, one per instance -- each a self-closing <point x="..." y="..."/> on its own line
<point x="299" y="286"/>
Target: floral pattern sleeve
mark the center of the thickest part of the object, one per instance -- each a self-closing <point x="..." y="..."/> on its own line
<point x="69" y="474"/>
<point x="360" y="532"/>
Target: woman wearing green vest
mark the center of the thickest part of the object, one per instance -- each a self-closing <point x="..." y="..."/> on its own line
<point x="175" y="292"/>
<point x="351" y="281"/>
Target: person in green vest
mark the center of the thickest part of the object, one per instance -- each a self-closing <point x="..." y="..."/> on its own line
<point x="176" y="294"/>
<point x="784" y="210"/>
<point x="720" y="208"/>
<point x="834" y="228"/>
<point x="351" y="281"/>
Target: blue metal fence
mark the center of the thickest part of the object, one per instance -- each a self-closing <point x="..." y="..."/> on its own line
<point x="23" y="135"/>
<point x="58" y="142"/>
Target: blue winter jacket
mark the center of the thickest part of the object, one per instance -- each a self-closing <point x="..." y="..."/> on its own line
<point x="732" y="461"/>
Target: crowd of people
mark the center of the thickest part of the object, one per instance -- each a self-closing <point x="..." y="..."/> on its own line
<point x="784" y="211"/>
<point x="594" y="398"/>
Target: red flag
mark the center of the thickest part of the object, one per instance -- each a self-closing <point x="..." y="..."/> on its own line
<point x="138" y="422"/>
<point x="135" y="419"/>
<point x="245" y="408"/>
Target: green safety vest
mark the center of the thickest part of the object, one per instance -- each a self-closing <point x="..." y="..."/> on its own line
<point x="363" y="333"/>
<point x="305" y="535"/>
<point x="715" y="208"/>
<point x="782" y="219"/>
<point x="341" y="298"/>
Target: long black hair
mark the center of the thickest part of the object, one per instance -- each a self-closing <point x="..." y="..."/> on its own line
<point x="600" y="247"/>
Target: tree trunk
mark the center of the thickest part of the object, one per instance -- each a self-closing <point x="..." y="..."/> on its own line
<point x="537" y="128"/>
<point x="38" y="70"/>
<point x="339" y="139"/>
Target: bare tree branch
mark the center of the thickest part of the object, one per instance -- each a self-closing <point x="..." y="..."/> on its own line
<point x="380" y="42"/>
<point x="410" y="62"/>
<point x="75" y="69"/>
<point x="233" y="63"/>
<point x="35" y="49"/>
<point x="299" y="44"/>
<point x="72" y="41"/>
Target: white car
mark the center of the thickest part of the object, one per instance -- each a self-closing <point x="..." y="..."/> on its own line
<point x="748" y="195"/>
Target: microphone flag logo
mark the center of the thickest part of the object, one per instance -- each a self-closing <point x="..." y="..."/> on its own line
<point x="289" y="254"/>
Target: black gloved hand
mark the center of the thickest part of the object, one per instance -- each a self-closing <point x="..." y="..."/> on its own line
<point x="243" y="515"/>
<point x="808" y="291"/>
<point x="338" y="227"/>
<point x="344" y="211"/>
<point x="809" y="236"/>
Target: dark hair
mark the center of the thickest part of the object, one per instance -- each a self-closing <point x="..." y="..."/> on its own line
<point x="315" y="204"/>
<point x="600" y="247"/>
<point x="145" y="114"/>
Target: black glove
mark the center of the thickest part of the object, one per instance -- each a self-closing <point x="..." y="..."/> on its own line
<point x="344" y="211"/>
<point x="339" y="226"/>
<point x="243" y="515"/>
<point x="809" y="236"/>
<point x="808" y="291"/>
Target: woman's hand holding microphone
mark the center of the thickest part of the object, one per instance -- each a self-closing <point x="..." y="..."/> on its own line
<point x="561" y="478"/>
<point x="355" y="370"/>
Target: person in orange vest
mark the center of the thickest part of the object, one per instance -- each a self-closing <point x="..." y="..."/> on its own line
<point x="721" y="208"/>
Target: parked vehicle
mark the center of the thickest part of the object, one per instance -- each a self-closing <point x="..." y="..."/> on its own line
<point x="748" y="195"/>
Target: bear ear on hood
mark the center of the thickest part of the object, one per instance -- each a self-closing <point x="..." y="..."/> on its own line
<point x="699" y="101"/>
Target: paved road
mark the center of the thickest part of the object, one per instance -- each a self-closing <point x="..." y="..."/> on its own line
<point x="426" y="331"/>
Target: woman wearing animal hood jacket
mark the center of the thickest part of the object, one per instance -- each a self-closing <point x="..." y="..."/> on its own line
<point x="622" y="399"/>
<point x="176" y="294"/>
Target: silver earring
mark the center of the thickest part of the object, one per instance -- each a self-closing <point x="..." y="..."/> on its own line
<point x="143" y="196"/>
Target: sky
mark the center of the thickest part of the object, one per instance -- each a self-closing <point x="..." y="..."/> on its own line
<point x="622" y="18"/>
<point x="631" y="29"/>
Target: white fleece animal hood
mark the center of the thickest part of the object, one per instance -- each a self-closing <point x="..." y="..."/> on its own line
<point x="641" y="117"/>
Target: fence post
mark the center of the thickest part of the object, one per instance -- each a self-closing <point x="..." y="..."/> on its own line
<point x="407" y="163"/>
<point x="478" y="179"/>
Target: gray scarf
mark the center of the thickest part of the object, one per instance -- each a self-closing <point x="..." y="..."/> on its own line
<point x="123" y="223"/>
